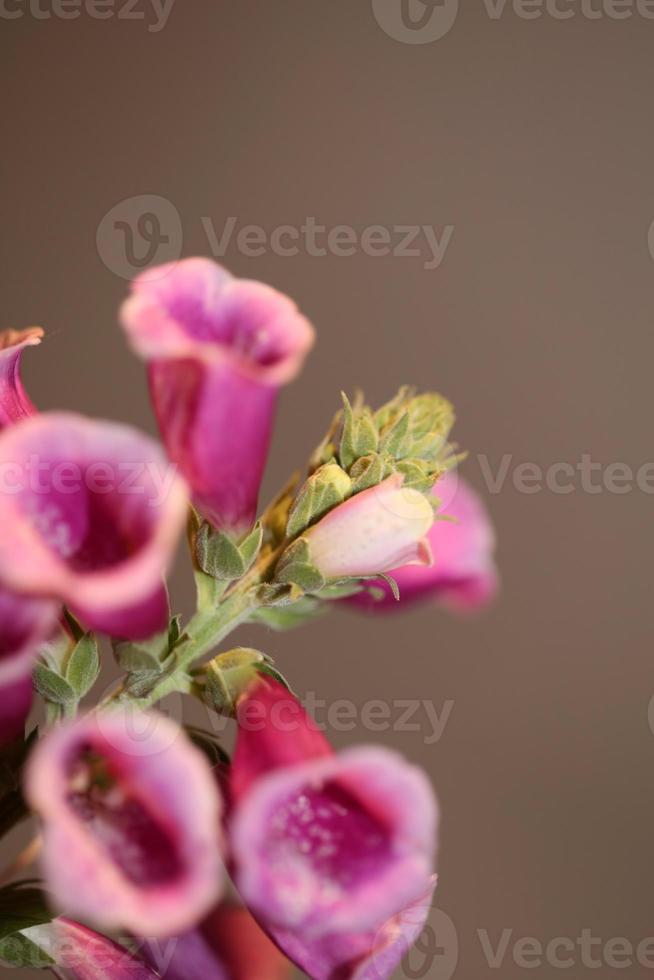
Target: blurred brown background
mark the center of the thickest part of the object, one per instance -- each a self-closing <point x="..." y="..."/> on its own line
<point x="533" y="139"/>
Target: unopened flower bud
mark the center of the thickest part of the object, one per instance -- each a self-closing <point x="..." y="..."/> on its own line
<point x="376" y="530"/>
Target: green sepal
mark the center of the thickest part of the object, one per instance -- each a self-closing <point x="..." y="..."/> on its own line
<point x="219" y="556"/>
<point x="250" y="545"/>
<point x="327" y="487"/>
<point x="146" y="655"/>
<point x="83" y="665"/>
<point x="228" y="675"/>
<point x="418" y="474"/>
<point x="295" y="568"/>
<point x="359" y="436"/>
<point x="52" y="686"/>
<point x="395" y="437"/>
<point x="369" y="471"/>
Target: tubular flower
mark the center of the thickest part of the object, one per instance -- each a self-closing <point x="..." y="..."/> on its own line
<point x="24" y="624"/>
<point x="218" y="350"/>
<point x="15" y="403"/>
<point x="326" y="848"/>
<point x="464" y="575"/>
<point x="86" y="955"/>
<point x="91" y="513"/>
<point x="372" y="532"/>
<point x="130" y="816"/>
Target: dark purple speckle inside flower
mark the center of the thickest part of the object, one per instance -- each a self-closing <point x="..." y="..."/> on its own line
<point x="331" y="833"/>
<point x="121" y="823"/>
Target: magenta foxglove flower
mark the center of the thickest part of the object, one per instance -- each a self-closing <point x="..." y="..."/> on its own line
<point x="90" y="514"/>
<point x="327" y="849"/>
<point x="374" y="531"/>
<point x="15" y="403"/>
<point x="218" y="350"/>
<point x="464" y="575"/>
<point x="130" y="814"/>
<point x="24" y="624"/>
<point x="86" y="955"/>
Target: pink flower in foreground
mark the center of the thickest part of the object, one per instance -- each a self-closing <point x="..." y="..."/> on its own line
<point x="218" y="350"/>
<point x="86" y="955"/>
<point x="374" y="531"/>
<point x="327" y="849"/>
<point x="130" y="814"/>
<point x="463" y="575"/>
<point x="90" y="514"/>
<point x="15" y="403"/>
<point x="24" y="624"/>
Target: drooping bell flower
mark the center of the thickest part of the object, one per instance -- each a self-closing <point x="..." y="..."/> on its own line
<point x="228" y="945"/>
<point x="90" y="514"/>
<point x="24" y="624"/>
<point x="86" y="955"/>
<point x="218" y="350"/>
<point x="327" y="849"/>
<point x="372" y="532"/>
<point x="464" y="575"/>
<point x="130" y="815"/>
<point x="15" y="403"/>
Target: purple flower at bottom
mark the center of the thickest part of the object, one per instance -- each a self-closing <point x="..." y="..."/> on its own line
<point x="90" y="514"/>
<point x="463" y="575"/>
<point x="329" y="849"/>
<point x="15" y="403"/>
<point x="130" y="814"/>
<point x="24" y="624"/>
<point x="218" y="350"/>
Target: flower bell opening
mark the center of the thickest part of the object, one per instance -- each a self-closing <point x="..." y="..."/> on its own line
<point x="134" y="836"/>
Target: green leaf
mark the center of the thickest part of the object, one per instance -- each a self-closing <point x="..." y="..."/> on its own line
<point x="83" y="665"/>
<point x="282" y="618"/>
<point x="52" y="687"/>
<point x="22" y="906"/>
<point x="18" y="950"/>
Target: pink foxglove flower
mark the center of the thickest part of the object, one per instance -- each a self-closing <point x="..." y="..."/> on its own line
<point x="463" y="575"/>
<point x="373" y="532"/>
<point x="15" y="403"/>
<point x="326" y="848"/>
<point x="218" y="350"/>
<point x="86" y="955"/>
<point x="130" y="814"/>
<point x="24" y="624"/>
<point x="90" y="514"/>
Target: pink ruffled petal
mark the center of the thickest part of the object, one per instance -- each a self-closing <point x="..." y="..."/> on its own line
<point x="130" y="816"/>
<point x="91" y="513"/>
<point x="218" y="350"/>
